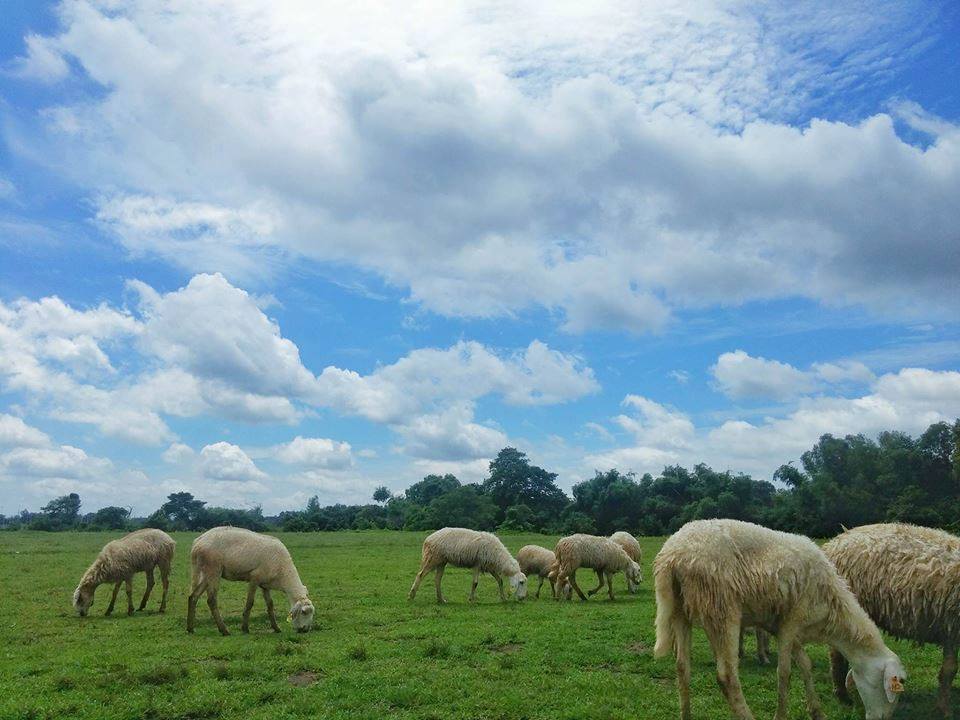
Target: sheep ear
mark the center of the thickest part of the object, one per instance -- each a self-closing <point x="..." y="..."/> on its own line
<point x="850" y="683"/>
<point x="893" y="677"/>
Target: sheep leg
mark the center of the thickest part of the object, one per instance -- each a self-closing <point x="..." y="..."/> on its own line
<point x="553" y="587"/>
<point x="610" y="585"/>
<point x="251" y="595"/>
<point x="724" y="641"/>
<point x="743" y="632"/>
<point x="499" y="585"/>
<point x="572" y="579"/>
<point x="129" y="587"/>
<point x="785" y="640"/>
<point x="537" y="594"/>
<point x="683" y="635"/>
<point x="806" y="672"/>
<point x="146" y="593"/>
<point x="838" y="671"/>
<point x="948" y="672"/>
<point x="113" y="599"/>
<point x="271" y="611"/>
<point x="437" y="579"/>
<point x="763" y="647"/>
<point x="593" y="592"/>
<point x="215" y="611"/>
<point x="165" y="582"/>
<point x="424" y="569"/>
<point x="473" y="585"/>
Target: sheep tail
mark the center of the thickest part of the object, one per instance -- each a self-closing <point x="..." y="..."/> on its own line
<point x="669" y="608"/>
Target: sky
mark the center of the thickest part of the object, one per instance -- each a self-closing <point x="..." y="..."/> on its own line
<point x="262" y="250"/>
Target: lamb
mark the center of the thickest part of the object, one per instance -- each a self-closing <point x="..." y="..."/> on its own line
<point x="262" y="561"/>
<point x="119" y="561"/>
<point x="630" y="546"/>
<point x="723" y="573"/>
<point x="598" y="553"/>
<point x="907" y="578"/>
<point x="537" y="560"/>
<point x="481" y="551"/>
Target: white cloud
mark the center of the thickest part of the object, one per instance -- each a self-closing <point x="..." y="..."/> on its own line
<point x="178" y="453"/>
<point x="226" y="462"/>
<point x="64" y="461"/>
<point x="681" y="376"/>
<point x="591" y="147"/>
<point x="909" y="400"/>
<point x="315" y="452"/>
<point x="450" y="435"/>
<point x="43" y="61"/>
<point x="15" y="432"/>
<point x="7" y="188"/>
<point x="741" y="376"/>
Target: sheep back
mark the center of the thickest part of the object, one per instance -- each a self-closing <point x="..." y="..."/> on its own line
<point x="590" y="551"/>
<point x="470" y="548"/>
<point x="906" y="577"/>
<point x="629" y="544"/>
<point x="535" y="560"/>
<point x="139" y="551"/>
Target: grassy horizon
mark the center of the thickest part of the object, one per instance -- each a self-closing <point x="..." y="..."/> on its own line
<point x="371" y="653"/>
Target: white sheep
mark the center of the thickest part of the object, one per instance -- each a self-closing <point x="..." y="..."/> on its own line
<point x="720" y="574"/>
<point x="907" y="578"/>
<point x="598" y="553"/>
<point x="537" y="560"/>
<point x="480" y="551"/>
<point x="632" y="548"/>
<point x="120" y="560"/>
<point x="261" y="561"/>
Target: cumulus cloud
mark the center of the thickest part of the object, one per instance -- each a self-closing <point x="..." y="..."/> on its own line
<point x="741" y="376"/>
<point x="315" y="452"/>
<point x="43" y="61"/>
<point x="178" y="453"/>
<point x="597" y="155"/>
<point x="909" y="400"/>
<point x="227" y="462"/>
<point x="15" y="432"/>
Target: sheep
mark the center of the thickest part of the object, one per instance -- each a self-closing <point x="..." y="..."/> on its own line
<point x="630" y="546"/>
<point x="907" y="578"/>
<point x="119" y="561"/>
<point x="481" y="551"/>
<point x="262" y="561"/>
<point x="720" y="574"/>
<point x="599" y="553"/>
<point x="763" y="644"/>
<point x="537" y="560"/>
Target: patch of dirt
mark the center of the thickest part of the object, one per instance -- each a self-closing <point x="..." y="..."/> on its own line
<point x="639" y="647"/>
<point x="304" y="678"/>
<point x="510" y="647"/>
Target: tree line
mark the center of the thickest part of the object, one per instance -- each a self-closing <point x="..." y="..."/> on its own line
<point x="840" y="482"/>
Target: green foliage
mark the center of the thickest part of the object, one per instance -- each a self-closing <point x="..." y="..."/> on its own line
<point x="514" y="481"/>
<point x="109" y="518"/>
<point x="381" y="494"/>
<point x="430" y="488"/>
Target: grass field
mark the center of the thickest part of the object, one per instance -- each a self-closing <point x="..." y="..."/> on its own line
<point x="372" y="653"/>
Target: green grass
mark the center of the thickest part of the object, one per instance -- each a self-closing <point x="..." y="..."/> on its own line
<point x="372" y="653"/>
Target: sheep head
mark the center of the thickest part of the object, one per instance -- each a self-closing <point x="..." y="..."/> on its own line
<point x="519" y="584"/>
<point x="301" y="615"/>
<point x="879" y="683"/>
<point x="83" y="598"/>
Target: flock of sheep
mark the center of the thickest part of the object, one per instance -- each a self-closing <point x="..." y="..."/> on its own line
<point x="721" y="575"/>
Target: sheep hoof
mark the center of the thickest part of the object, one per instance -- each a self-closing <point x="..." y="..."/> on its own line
<point x="245" y="631"/>
<point x="224" y="632"/>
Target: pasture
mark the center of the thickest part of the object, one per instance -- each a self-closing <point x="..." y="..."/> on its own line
<point x="372" y="652"/>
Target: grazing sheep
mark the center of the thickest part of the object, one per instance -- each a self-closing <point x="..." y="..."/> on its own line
<point x="907" y="578"/>
<point x="481" y="551"/>
<point x="536" y="560"/>
<point x="120" y="560"/>
<point x="720" y="574"/>
<point x="631" y="547"/>
<point x="261" y="561"/>
<point x="600" y="554"/>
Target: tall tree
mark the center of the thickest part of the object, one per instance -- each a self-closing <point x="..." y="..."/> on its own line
<point x="514" y="481"/>
<point x="63" y="511"/>
<point x="184" y="511"/>
<point x="430" y="488"/>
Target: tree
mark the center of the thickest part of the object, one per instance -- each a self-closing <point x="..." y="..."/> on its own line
<point x="62" y="512"/>
<point x="518" y="518"/>
<point x="111" y="518"/>
<point x="464" y="507"/>
<point x="430" y="488"/>
<point x="381" y="494"/>
<point x="514" y="481"/>
<point x="183" y="511"/>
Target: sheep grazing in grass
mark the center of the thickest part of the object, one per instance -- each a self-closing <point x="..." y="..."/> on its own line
<point x="537" y="560"/>
<point x="907" y="578"/>
<point x="481" y="551"/>
<point x="598" y="553"/>
<point x="121" y="559"/>
<point x="261" y="561"/>
<point x="720" y="574"/>
<point x="631" y="547"/>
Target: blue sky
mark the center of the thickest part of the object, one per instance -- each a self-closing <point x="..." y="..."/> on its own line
<point x="262" y="250"/>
